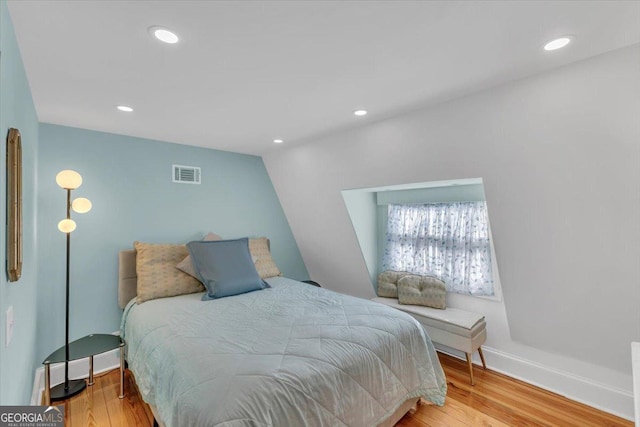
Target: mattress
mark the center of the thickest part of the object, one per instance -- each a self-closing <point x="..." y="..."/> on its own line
<point x="291" y="355"/>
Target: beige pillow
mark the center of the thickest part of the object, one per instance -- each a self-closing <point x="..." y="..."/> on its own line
<point x="157" y="274"/>
<point x="388" y="283"/>
<point x="266" y="267"/>
<point x="185" y="264"/>
<point x="422" y="290"/>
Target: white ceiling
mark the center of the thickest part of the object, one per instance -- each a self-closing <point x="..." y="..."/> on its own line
<point x="247" y="72"/>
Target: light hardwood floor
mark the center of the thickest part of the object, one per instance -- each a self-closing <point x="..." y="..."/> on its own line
<point x="496" y="400"/>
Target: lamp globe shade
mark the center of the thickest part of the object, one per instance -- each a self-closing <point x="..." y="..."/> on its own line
<point x="68" y="179"/>
<point x="81" y="205"/>
<point x="67" y="225"/>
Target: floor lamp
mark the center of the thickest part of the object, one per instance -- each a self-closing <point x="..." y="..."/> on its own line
<point x="69" y="180"/>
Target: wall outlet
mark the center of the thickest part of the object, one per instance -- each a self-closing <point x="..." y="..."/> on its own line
<point x="9" y="332"/>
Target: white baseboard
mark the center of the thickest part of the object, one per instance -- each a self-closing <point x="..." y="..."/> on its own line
<point x="77" y="369"/>
<point x="635" y="366"/>
<point x="604" y="397"/>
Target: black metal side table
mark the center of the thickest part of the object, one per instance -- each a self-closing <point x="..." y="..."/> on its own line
<point x="88" y="346"/>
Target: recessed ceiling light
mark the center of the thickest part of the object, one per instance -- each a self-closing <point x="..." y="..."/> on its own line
<point x="278" y="141"/>
<point x="163" y="34"/>
<point x="124" y="108"/>
<point x="558" y="43"/>
<point x="360" y="112"/>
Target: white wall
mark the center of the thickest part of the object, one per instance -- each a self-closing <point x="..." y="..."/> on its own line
<point x="559" y="154"/>
<point x="362" y="208"/>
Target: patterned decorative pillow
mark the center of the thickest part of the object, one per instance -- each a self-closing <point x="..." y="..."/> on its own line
<point x="185" y="264"/>
<point x="157" y="274"/>
<point x="422" y="290"/>
<point x="261" y="256"/>
<point x="388" y="283"/>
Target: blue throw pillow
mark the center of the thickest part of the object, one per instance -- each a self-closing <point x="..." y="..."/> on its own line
<point x="225" y="267"/>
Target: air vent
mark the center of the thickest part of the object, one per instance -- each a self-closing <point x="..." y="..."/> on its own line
<point x="186" y="174"/>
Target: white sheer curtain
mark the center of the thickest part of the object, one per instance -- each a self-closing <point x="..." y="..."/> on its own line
<point x="446" y="240"/>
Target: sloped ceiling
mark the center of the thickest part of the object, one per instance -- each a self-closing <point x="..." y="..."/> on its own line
<point x="247" y="72"/>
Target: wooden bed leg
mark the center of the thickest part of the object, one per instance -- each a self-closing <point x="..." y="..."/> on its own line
<point x="470" y="367"/>
<point x="413" y="409"/>
<point x="484" y="365"/>
<point x="423" y="402"/>
<point x="121" y="395"/>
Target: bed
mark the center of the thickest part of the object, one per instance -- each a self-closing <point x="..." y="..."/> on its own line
<point x="290" y="355"/>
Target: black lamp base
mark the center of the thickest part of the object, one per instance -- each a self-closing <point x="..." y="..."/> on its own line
<point x="60" y="393"/>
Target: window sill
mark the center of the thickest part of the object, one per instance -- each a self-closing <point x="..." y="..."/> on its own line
<point x="494" y="298"/>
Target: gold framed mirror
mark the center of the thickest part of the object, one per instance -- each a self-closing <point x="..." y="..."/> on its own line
<point x="14" y="205"/>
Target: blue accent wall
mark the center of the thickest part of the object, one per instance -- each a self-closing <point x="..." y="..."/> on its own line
<point x="17" y="111"/>
<point x="129" y="181"/>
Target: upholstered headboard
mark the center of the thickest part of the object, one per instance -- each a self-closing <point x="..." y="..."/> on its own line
<point x="127" y="278"/>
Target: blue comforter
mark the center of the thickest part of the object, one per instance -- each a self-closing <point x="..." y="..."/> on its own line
<point x="292" y="355"/>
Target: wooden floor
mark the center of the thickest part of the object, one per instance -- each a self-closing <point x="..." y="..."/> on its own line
<point x="496" y="400"/>
<point x="100" y="406"/>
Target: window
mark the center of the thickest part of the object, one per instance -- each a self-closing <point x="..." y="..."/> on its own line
<point x="446" y="240"/>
